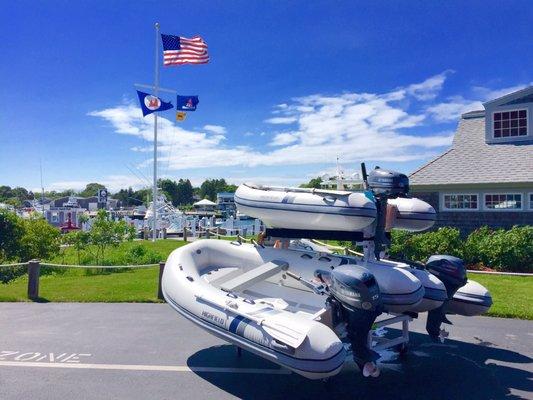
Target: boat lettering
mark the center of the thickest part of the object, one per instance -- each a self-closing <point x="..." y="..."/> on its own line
<point x="213" y="317"/>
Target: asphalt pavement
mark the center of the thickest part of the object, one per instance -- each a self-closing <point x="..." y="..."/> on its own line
<point x="147" y="351"/>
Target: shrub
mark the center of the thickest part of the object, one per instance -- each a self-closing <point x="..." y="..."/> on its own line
<point x="419" y="247"/>
<point x="510" y="250"/>
<point x="505" y="250"/>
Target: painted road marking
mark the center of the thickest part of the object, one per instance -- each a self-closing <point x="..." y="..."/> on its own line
<point x="136" y="367"/>
<point x="37" y="356"/>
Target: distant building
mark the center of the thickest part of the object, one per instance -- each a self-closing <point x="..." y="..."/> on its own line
<point x="226" y="203"/>
<point x="87" y="203"/>
<point x="59" y="216"/>
<point x="58" y="211"/>
<point x="204" y="207"/>
<point x="486" y="177"/>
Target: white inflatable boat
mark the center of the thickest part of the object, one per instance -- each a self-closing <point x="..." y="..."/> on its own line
<point x="295" y="208"/>
<point x="303" y="307"/>
<point x="247" y="294"/>
<point x="328" y="210"/>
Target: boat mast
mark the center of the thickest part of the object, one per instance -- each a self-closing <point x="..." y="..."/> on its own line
<point x="156" y="88"/>
<point x="42" y="186"/>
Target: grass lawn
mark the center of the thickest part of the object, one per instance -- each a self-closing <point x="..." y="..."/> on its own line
<point x="140" y="285"/>
<point x="83" y="285"/>
<point x="512" y="296"/>
<point x="114" y="255"/>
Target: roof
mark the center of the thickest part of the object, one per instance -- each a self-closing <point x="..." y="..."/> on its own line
<point x="471" y="160"/>
<point x="204" y="202"/>
<point x="525" y="92"/>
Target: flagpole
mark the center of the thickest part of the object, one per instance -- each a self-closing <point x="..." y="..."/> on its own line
<point x="156" y="87"/>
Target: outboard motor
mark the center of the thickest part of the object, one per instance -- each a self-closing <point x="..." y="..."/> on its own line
<point x="384" y="185"/>
<point x="452" y="272"/>
<point x="356" y="300"/>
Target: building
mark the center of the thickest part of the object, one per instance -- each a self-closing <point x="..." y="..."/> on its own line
<point x="486" y="177"/>
<point x="87" y="203"/>
<point x="60" y="211"/>
<point x="226" y="203"/>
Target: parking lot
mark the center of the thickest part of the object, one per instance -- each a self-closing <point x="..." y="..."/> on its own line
<point x="147" y="351"/>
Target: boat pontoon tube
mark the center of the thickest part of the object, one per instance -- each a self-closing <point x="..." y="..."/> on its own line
<point x="306" y="209"/>
<point x="470" y="300"/>
<point x="412" y="214"/>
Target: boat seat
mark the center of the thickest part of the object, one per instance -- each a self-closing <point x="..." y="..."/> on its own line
<point x="254" y="276"/>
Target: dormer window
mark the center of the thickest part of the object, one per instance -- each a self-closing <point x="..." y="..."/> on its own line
<point x="510" y="123"/>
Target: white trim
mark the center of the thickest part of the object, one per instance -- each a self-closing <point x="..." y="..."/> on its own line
<point x="443" y="207"/>
<point x="485" y="208"/>
<point x="509" y="137"/>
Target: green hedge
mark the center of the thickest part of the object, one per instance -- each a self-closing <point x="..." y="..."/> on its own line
<point x="502" y="250"/>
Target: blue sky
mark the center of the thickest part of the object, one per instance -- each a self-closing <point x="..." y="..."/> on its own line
<point x="290" y="86"/>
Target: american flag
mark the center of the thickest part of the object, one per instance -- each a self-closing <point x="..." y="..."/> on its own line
<point x="178" y="50"/>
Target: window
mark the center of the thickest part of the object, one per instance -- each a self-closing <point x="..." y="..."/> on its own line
<point x="503" y="201"/>
<point x="460" y="202"/>
<point x="531" y="201"/>
<point x="510" y="123"/>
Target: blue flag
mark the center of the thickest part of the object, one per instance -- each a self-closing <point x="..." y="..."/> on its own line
<point x="151" y="104"/>
<point x="187" y="103"/>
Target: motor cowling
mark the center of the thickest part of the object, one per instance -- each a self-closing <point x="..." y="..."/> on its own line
<point x="386" y="183"/>
<point x="356" y="300"/>
<point x="355" y="288"/>
<point x="451" y="271"/>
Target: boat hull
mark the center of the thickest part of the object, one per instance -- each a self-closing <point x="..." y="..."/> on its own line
<point x="470" y="300"/>
<point x="350" y="212"/>
<point x="412" y="214"/>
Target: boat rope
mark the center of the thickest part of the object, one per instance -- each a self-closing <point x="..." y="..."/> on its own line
<point x="13" y="265"/>
<point x="99" y="266"/>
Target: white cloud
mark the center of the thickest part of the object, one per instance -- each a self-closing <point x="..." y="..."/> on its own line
<point x="454" y="106"/>
<point x="430" y="88"/>
<point x="373" y="127"/>
<point x="282" y="139"/>
<point x="215" y="129"/>
<point x="452" y="109"/>
<point x="487" y="94"/>
<point x="280" y="120"/>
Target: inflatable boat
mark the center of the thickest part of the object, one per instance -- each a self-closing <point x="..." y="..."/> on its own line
<point x="328" y="210"/>
<point x="299" y="305"/>
<point x="260" y="299"/>
<point x="295" y="208"/>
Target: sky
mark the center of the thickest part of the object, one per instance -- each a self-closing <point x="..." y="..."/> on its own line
<point x="290" y="86"/>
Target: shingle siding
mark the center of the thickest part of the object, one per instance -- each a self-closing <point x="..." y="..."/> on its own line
<point x="468" y="221"/>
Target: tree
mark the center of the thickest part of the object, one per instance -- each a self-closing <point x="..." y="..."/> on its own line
<point x="20" y="193"/>
<point x="170" y="189"/>
<point x="105" y="233"/>
<point x="210" y="187"/>
<point x="11" y="232"/>
<point x="91" y="189"/>
<point x="185" y="192"/>
<point x="313" y="183"/>
<point x="40" y="239"/>
<point x="5" y="193"/>
<point x="79" y="240"/>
